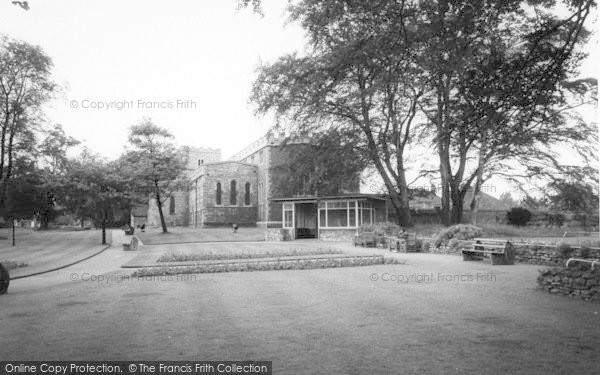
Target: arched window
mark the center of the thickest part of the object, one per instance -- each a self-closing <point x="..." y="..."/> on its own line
<point x="219" y="193"/>
<point x="233" y="194"/>
<point x="172" y="205"/>
<point x="247" y="194"/>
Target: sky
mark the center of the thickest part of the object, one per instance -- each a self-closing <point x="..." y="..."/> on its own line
<point x="187" y="64"/>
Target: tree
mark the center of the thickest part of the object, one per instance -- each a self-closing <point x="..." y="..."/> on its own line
<point x="497" y="79"/>
<point x="325" y="166"/>
<point x="357" y="79"/>
<point x="96" y="189"/>
<point x="577" y="196"/>
<point x="24" y="86"/>
<point x="507" y="199"/>
<point x="155" y="164"/>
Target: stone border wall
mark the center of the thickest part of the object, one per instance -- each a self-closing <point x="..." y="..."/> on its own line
<point x="576" y="282"/>
<point x="545" y="254"/>
<point x="278" y="234"/>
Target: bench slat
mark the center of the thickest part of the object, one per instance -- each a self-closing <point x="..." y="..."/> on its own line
<point x="489" y="246"/>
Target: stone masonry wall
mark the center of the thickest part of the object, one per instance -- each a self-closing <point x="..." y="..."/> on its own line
<point x="178" y="218"/>
<point x="227" y="213"/>
<point x="544" y="254"/>
<point x="337" y="234"/>
<point x="278" y="234"/>
<point x="576" y="282"/>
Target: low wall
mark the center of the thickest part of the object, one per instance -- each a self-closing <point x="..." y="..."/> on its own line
<point x="545" y="254"/>
<point x="278" y="234"/>
<point x="576" y="282"/>
<point x="337" y="234"/>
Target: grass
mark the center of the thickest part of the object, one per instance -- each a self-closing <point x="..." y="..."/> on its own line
<point x="270" y="265"/>
<point x="211" y="255"/>
<point x="11" y="265"/>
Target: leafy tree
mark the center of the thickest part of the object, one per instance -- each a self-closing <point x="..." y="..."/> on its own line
<point x="326" y="166"/>
<point x="575" y="196"/>
<point x="154" y="162"/>
<point x="498" y="77"/>
<point x="96" y="189"/>
<point x="507" y="199"/>
<point x="25" y="85"/>
<point x="356" y="79"/>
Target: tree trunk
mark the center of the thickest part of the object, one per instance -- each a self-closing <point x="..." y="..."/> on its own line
<point x="457" y="197"/>
<point x="13" y="231"/>
<point x="159" y="205"/>
<point x="103" y="232"/>
<point x="479" y="179"/>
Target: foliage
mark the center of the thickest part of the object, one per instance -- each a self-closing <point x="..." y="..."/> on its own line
<point x="352" y="80"/>
<point x="457" y="232"/>
<point x="456" y="244"/>
<point x="564" y="249"/>
<point x="11" y="265"/>
<point x="383" y="229"/>
<point x="518" y="216"/>
<point x="25" y="84"/>
<point x="94" y="188"/>
<point x="324" y="166"/>
<point x="495" y="83"/>
<point x="555" y="219"/>
<point x="209" y="255"/>
<point x="573" y="196"/>
<point x="280" y="264"/>
<point x="153" y="163"/>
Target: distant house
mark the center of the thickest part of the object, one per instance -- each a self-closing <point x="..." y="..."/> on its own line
<point x="139" y="216"/>
<point x="486" y="202"/>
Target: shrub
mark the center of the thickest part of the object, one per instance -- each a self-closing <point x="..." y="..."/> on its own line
<point x="557" y="219"/>
<point x="387" y="228"/>
<point x="564" y="249"/>
<point x="425" y="245"/>
<point x="518" y="216"/>
<point x="458" y="232"/>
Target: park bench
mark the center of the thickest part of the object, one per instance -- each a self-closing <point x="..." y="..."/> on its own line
<point x="365" y="239"/>
<point x="132" y="245"/>
<point x="4" y="279"/>
<point x="500" y="251"/>
<point x="405" y="243"/>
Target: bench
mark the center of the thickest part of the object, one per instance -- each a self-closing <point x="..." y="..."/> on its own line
<point x="501" y="252"/>
<point x="365" y="239"/>
<point x="132" y="245"/>
<point x="4" y="279"/>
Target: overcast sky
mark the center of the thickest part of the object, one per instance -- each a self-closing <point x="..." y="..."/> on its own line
<point x="137" y="53"/>
<point x="195" y="59"/>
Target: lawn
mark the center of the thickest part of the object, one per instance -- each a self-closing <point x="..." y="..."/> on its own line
<point x="38" y="251"/>
<point x="423" y="317"/>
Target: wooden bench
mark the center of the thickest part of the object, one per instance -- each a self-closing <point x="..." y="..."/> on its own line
<point x="365" y="239"/>
<point x="500" y="251"/>
<point x="4" y="279"/>
<point x="132" y="245"/>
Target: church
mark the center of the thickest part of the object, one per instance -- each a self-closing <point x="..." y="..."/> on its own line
<point x="242" y="191"/>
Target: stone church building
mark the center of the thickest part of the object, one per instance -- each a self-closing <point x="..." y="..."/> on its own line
<point x="241" y="190"/>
